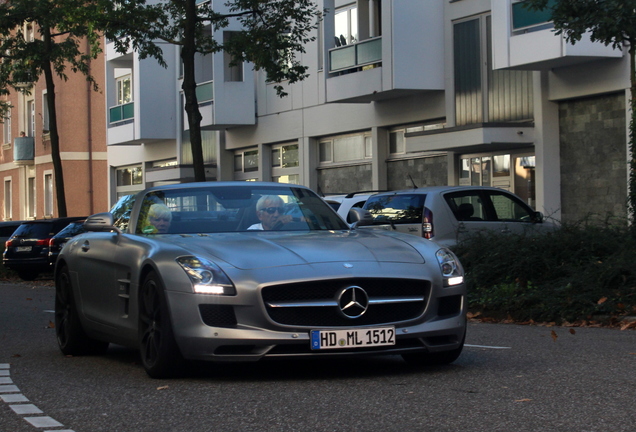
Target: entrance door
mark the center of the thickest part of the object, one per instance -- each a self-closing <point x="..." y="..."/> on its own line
<point x="512" y="172"/>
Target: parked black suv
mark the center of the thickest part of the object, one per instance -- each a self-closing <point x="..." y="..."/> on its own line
<point x="7" y="228"/>
<point x="57" y="242"/>
<point x="27" y="250"/>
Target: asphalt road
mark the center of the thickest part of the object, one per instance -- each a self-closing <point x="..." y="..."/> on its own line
<point x="509" y="378"/>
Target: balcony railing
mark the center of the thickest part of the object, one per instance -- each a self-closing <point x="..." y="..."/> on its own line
<point x="523" y="18"/>
<point x="205" y="92"/>
<point x="23" y="150"/>
<point x="356" y="55"/>
<point x="122" y="112"/>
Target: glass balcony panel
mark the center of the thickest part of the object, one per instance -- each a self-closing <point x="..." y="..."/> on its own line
<point x="369" y="51"/>
<point x="343" y="58"/>
<point x="524" y="18"/>
<point x="128" y="111"/>
<point x="115" y="114"/>
<point x="205" y="92"/>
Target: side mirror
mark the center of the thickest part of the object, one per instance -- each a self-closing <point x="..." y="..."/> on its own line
<point x="360" y="217"/>
<point x="101" y="222"/>
<point x="537" y="217"/>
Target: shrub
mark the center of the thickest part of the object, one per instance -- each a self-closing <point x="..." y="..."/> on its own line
<point x="578" y="272"/>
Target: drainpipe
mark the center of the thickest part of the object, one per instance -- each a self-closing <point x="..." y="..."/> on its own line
<point x="90" y="133"/>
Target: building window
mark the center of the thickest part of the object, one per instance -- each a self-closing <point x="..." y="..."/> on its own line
<point x="130" y="176"/>
<point x="130" y="180"/>
<point x="31" y="118"/>
<point x="31" y="197"/>
<point x="481" y="93"/>
<point x="208" y="142"/>
<point x="346" y="25"/>
<point x="286" y="163"/>
<point x="7" y="200"/>
<point x="29" y="33"/>
<point x="511" y="171"/>
<point x="396" y="142"/>
<point x="233" y="72"/>
<point x="347" y="148"/>
<point x="7" y="128"/>
<point x="48" y="194"/>
<point x="291" y="179"/>
<point x="124" y="89"/>
<point x="285" y="156"/>
<point x="246" y="164"/>
<point x="45" y="113"/>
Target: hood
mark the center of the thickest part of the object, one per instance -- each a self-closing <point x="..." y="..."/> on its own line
<point x="261" y="249"/>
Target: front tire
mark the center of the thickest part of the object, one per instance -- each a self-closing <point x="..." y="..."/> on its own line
<point x="160" y="354"/>
<point x="71" y="337"/>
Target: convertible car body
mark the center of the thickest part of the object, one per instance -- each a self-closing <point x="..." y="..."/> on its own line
<point x="213" y="288"/>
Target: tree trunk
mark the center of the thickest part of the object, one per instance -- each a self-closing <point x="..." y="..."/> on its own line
<point x="632" y="137"/>
<point x="54" y="135"/>
<point x="189" y="86"/>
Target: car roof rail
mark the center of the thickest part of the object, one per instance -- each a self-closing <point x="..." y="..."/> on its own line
<point x="352" y="194"/>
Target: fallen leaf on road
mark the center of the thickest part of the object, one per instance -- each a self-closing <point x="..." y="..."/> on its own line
<point x="628" y="325"/>
<point x="29" y="299"/>
<point x="51" y="324"/>
<point x="572" y="331"/>
<point x="602" y="300"/>
<point x="523" y="400"/>
<point x="162" y="388"/>
<point x="554" y="335"/>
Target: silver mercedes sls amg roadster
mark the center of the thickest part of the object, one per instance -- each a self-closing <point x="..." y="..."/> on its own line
<point x="243" y="271"/>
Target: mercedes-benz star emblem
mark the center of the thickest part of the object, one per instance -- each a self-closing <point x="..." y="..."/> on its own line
<point x="353" y="302"/>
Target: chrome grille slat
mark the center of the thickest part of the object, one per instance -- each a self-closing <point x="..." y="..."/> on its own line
<point x="315" y="303"/>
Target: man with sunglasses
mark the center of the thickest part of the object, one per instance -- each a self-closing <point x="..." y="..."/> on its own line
<point x="269" y="210"/>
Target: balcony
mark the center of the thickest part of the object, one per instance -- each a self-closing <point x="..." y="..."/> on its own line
<point x="23" y="151"/>
<point x="390" y="65"/>
<point x="121" y="113"/>
<point x="151" y="89"/>
<point x="356" y="57"/>
<point x="526" y="40"/>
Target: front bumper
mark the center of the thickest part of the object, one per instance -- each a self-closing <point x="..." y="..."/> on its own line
<point x="198" y="341"/>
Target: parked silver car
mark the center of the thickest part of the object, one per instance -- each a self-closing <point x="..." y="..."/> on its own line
<point x="183" y="272"/>
<point x="448" y="214"/>
<point x="342" y="203"/>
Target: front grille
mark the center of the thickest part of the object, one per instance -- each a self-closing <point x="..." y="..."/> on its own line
<point x="217" y="315"/>
<point x="314" y="304"/>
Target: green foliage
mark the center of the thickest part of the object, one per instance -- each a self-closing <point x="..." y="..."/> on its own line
<point x="575" y="273"/>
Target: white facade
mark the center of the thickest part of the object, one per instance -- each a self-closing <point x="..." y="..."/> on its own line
<point x="385" y="104"/>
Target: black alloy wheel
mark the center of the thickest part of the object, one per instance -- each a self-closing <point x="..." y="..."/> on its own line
<point x="71" y="337"/>
<point x="160" y="354"/>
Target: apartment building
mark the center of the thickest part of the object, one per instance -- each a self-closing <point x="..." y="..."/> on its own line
<point x="26" y="167"/>
<point x="400" y="93"/>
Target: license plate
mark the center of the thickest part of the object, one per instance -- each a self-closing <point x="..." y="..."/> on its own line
<point x="23" y="249"/>
<point x="352" y="338"/>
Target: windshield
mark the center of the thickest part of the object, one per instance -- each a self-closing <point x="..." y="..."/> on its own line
<point x="396" y="209"/>
<point x="235" y="208"/>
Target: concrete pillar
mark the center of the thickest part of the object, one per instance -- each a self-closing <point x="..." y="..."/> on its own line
<point x="546" y="147"/>
<point x="308" y="157"/>
<point x="380" y="150"/>
<point x="225" y="159"/>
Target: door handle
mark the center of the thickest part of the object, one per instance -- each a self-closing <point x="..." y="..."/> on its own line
<point x="85" y="246"/>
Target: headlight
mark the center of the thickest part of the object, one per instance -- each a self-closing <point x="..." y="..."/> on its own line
<point x="449" y="264"/>
<point x="206" y="277"/>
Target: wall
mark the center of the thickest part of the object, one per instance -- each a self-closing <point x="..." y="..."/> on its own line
<point x="428" y="171"/>
<point x="345" y="179"/>
<point x="593" y="163"/>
